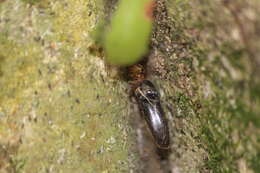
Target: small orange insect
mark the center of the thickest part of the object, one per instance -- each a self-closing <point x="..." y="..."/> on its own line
<point x="137" y="73"/>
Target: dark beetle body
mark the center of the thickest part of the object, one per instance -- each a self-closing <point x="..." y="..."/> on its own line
<point x="149" y="104"/>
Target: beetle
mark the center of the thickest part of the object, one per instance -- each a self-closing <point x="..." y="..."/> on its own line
<point x="148" y="100"/>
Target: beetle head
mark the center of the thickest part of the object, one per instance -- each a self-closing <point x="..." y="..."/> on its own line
<point x="147" y="92"/>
